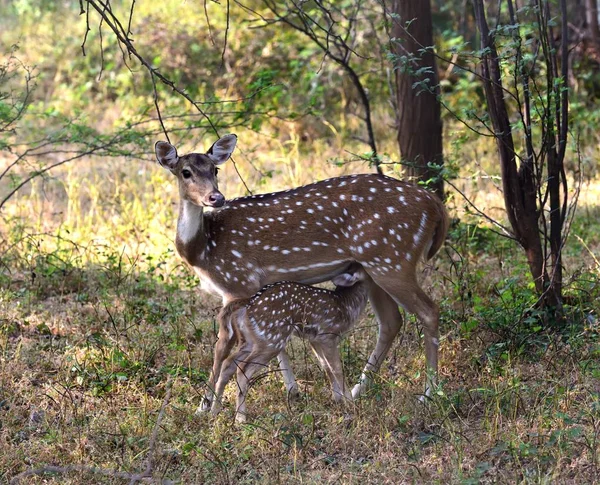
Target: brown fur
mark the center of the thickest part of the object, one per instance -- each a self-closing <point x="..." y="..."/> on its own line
<point x="261" y="326"/>
<point x="310" y="234"/>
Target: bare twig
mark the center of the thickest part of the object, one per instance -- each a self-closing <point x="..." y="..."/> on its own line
<point x="226" y="35"/>
<point x="150" y="459"/>
<point x="210" y="34"/>
<point x="85" y="469"/>
<point x="111" y="20"/>
<point x="504" y="231"/>
<point x="87" y="24"/>
<point x="130" y="18"/>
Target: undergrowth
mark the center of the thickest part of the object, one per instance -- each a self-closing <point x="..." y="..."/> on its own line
<point x="98" y="324"/>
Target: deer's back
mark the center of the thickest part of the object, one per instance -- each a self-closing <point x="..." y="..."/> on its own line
<point x="313" y="232"/>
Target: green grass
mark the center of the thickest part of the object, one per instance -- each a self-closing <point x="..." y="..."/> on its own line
<point x="99" y="319"/>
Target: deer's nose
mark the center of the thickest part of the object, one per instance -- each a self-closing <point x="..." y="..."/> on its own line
<point x="216" y="199"/>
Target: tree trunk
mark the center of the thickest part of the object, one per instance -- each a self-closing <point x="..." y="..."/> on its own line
<point x="524" y="187"/>
<point x="591" y="13"/>
<point x="518" y="184"/>
<point x="417" y="90"/>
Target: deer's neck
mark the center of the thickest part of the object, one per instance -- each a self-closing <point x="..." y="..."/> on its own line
<point x="353" y="299"/>
<point x="191" y="234"/>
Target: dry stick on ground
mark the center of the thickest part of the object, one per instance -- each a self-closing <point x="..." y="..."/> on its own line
<point x="145" y="476"/>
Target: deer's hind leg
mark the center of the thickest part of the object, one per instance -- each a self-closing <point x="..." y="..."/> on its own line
<point x="407" y="293"/>
<point x="390" y="322"/>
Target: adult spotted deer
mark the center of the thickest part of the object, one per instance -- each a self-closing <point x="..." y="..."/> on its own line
<point x="262" y="325"/>
<point x="310" y="234"/>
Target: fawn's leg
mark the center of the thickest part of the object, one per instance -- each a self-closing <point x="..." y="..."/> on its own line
<point x="256" y="360"/>
<point x="329" y="357"/>
<point x="222" y="350"/>
<point x="228" y="369"/>
<point x="288" y="375"/>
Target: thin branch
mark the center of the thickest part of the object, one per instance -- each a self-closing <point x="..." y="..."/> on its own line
<point x="150" y="459"/>
<point x="106" y="14"/>
<point x="226" y="35"/>
<point x="87" y="25"/>
<point x="505" y="232"/>
<point x="130" y="18"/>
<point x="101" y="49"/>
<point x="54" y="165"/>
<point x="210" y="34"/>
<point x="158" y="108"/>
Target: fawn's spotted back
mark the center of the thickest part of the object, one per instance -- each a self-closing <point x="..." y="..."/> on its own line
<point x="283" y="309"/>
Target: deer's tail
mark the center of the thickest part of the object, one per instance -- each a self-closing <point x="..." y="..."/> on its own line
<point x="439" y="236"/>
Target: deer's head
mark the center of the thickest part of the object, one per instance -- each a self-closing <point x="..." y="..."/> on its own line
<point x="197" y="172"/>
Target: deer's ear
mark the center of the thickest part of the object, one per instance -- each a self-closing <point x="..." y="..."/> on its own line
<point x="345" y="279"/>
<point x="166" y="154"/>
<point x="222" y="149"/>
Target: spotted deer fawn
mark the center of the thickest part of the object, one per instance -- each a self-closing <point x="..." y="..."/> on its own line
<point x="308" y="235"/>
<point x="262" y="325"/>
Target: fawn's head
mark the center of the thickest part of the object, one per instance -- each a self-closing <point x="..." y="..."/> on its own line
<point x="196" y="172"/>
<point x="354" y="274"/>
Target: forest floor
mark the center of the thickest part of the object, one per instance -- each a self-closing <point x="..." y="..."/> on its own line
<point x="105" y="350"/>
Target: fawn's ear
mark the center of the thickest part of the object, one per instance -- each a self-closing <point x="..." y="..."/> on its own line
<point x="222" y="149"/>
<point x="166" y="154"/>
<point x="345" y="279"/>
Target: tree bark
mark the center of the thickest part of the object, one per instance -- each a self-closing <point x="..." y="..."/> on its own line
<point x="417" y="91"/>
<point x="591" y="11"/>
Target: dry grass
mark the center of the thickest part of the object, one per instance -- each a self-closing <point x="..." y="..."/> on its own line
<point x="95" y="323"/>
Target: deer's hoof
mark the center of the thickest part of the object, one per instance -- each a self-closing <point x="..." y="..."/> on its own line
<point x="293" y="394"/>
<point x="216" y="408"/>
<point x="204" y="406"/>
<point x="359" y="389"/>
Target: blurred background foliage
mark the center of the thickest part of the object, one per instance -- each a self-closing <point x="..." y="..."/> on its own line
<point x="80" y="117"/>
<point x="80" y="120"/>
<point x="266" y="81"/>
<point x="96" y="308"/>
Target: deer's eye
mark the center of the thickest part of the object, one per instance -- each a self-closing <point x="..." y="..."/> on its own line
<point x="186" y="174"/>
<point x="216" y="171"/>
